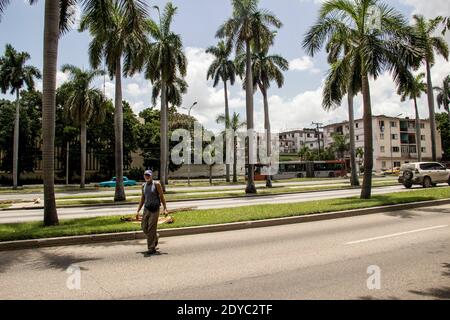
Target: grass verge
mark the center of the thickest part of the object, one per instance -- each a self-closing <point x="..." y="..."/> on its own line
<point x="102" y="225"/>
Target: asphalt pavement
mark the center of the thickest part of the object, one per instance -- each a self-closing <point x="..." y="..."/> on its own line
<point x="22" y="215"/>
<point x="395" y="255"/>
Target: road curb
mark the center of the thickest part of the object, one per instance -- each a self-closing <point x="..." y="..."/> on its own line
<point x="120" y="204"/>
<point x="127" y="236"/>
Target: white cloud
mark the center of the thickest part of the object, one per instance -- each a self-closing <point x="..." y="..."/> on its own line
<point x="429" y="8"/>
<point x="304" y="63"/>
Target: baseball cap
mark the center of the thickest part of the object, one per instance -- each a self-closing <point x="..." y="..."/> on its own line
<point x="148" y="173"/>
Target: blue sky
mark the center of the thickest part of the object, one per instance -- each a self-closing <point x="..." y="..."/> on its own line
<point x="296" y="105"/>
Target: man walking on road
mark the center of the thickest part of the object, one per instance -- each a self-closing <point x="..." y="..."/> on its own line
<point x="152" y="197"/>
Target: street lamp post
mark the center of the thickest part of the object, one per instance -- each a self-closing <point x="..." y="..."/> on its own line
<point x="190" y="157"/>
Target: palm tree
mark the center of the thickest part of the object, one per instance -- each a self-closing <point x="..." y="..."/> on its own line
<point x="222" y="69"/>
<point x="265" y="69"/>
<point x="234" y="124"/>
<point x="175" y="91"/>
<point x="340" y="144"/>
<point x="84" y="104"/>
<point x="165" y="62"/>
<point x="58" y="17"/>
<point x="118" y="29"/>
<point x="343" y="78"/>
<point x="14" y="75"/>
<point x="305" y="153"/>
<point x="249" y="27"/>
<point x="375" y="48"/>
<point x="429" y="44"/>
<point x="413" y="90"/>
<point x="443" y="97"/>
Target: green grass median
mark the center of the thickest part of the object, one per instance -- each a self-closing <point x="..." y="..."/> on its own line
<point x="102" y="225"/>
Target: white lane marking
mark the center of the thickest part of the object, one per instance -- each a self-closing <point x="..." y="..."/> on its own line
<point x="396" y="235"/>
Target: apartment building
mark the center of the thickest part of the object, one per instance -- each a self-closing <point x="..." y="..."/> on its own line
<point x="394" y="140"/>
<point x="294" y="141"/>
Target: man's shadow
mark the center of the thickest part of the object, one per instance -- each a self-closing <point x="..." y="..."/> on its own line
<point x="145" y="254"/>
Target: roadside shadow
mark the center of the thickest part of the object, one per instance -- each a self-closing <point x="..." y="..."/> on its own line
<point x="370" y="298"/>
<point x="58" y="260"/>
<point x="442" y="293"/>
<point x="435" y="210"/>
<point x="403" y="214"/>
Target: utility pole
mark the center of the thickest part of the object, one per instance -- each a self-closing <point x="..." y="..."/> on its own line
<point x="318" y="126"/>
<point x="190" y="156"/>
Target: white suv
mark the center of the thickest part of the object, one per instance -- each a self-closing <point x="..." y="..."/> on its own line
<point x="427" y="174"/>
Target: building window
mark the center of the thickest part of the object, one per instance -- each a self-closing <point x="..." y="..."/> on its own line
<point x="422" y="125"/>
<point x="382" y="149"/>
<point x="395" y="149"/>
<point x="356" y="125"/>
<point x="393" y="124"/>
<point x="397" y="164"/>
<point x="424" y="149"/>
<point x="381" y="136"/>
<point x="394" y="137"/>
<point x="357" y="138"/>
<point x="383" y="164"/>
<point x="422" y="138"/>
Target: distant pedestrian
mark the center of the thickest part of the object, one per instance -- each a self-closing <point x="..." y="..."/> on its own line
<point x="152" y="197"/>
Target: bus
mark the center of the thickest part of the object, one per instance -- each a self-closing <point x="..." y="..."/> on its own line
<point x="305" y="169"/>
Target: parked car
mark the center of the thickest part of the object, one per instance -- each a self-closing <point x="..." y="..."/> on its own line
<point x="112" y="183"/>
<point x="426" y="174"/>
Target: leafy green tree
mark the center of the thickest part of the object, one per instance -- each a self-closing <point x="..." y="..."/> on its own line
<point x="234" y="123"/>
<point x="413" y="90"/>
<point x="119" y="37"/>
<point x="14" y="75"/>
<point x="249" y="27"/>
<point x="166" y="62"/>
<point x="374" y="47"/>
<point x="29" y="130"/>
<point x="443" y="125"/>
<point x="340" y="144"/>
<point x="305" y="153"/>
<point x="149" y="135"/>
<point x="222" y="69"/>
<point x="443" y="96"/>
<point x="84" y="105"/>
<point x="429" y="44"/>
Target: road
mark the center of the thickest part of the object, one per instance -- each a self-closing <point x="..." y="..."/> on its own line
<point x="110" y="192"/>
<point x="21" y="215"/>
<point x="317" y="260"/>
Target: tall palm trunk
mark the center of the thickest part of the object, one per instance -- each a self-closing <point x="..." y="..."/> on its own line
<point x="83" y="153"/>
<point x="268" y="131"/>
<point x="251" y="188"/>
<point x="51" y="37"/>
<point x="354" y="180"/>
<point x="418" y="133"/>
<point x="430" y="94"/>
<point x="118" y="132"/>
<point x="15" y="170"/>
<point x="163" y="133"/>
<point x="227" y="126"/>
<point x="366" y="191"/>
<point x="235" y="179"/>
<point x="166" y="129"/>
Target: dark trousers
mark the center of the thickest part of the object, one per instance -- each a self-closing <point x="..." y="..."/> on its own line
<point x="150" y="226"/>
